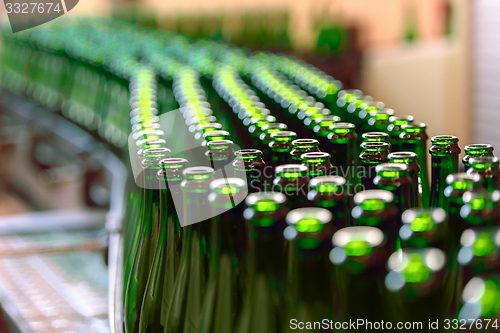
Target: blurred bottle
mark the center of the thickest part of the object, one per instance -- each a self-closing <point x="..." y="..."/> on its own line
<point x="318" y="164"/>
<point x="476" y="150"/>
<point x="410" y="160"/>
<point x="292" y="181"/>
<point x="395" y="177"/>
<point x="488" y="167"/>
<point x="250" y="163"/>
<point x="344" y="153"/>
<point x="424" y="227"/>
<point x="372" y="154"/>
<point x="330" y="192"/>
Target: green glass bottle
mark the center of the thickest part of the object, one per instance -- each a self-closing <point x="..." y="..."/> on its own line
<point x="378" y="120"/>
<point x="249" y="162"/>
<point x="329" y="192"/>
<point x="321" y="128"/>
<point x="146" y="238"/>
<point x="223" y="300"/>
<point x="302" y="146"/>
<point x="395" y="129"/>
<point x="423" y="227"/>
<point x="359" y="256"/>
<point x="479" y="252"/>
<point x="201" y="129"/>
<point x="476" y="150"/>
<point x="267" y="130"/>
<point x="292" y="181"/>
<point x="395" y="177"/>
<point x="488" y="167"/>
<point x="372" y="154"/>
<point x="375" y="208"/>
<point x="310" y="277"/>
<point x="280" y="148"/>
<point x="414" y="139"/>
<point x="159" y="288"/>
<point x="481" y="208"/>
<point x="318" y="164"/>
<point x="214" y="135"/>
<point x="411" y="161"/>
<point x="417" y="289"/>
<point x="375" y="137"/>
<point x="343" y="152"/>
<point x="265" y="294"/>
<point x="444" y="152"/>
<point x="219" y="154"/>
<point x="190" y="283"/>
<point x="480" y="306"/>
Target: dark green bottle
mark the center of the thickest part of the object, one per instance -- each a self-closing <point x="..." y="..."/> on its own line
<point x="488" y="167"/>
<point x="395" y="177"/>
<point x="161" y="279"/>
<point x="310" y="277"/>
<point x="481" y="208"/>
<point x="250" y="166"/>
<point x="476" y="150"/>
<point x="302" y="146"/>
<point x="142" y="250"/>
<point x="322" y="129"/>
<point x="219" y="154"/>
<point x="191" y="280"/>
<point x="214" y="135"/>
<point x="378" y="121"/>
<point x="265" y="295"/>
<point x="372" y="154"/>
<point x="414" y="139"/>
<point x="375" y="137"/>
<point x="359" y="257"/>
<point x="201" y="129"/>
<point x="330" y="192"/>
<point x="280" y="148"/>
<point x="375" y="208"/>
<point x="348" y="101"/>
<point x="411" y="161"/>
<point x="444" y="152"/>
<point x="395" y="129"/>
<point x="344" y="155"/>
<point x="223" y="300"/>
<point x="479" y="252"/>
<point x="292" y="181"/>
<point x="318" y="164"/>
<point x="417" y="288"/>
<point x="267" y="130"/>
<point x="424" y="227"/>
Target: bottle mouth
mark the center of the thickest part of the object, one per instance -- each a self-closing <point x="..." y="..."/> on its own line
<point x="216" y="135"/>
<point x="402" y="157"/>
<point x="416" y="266"/>
<point x="274" y="127"/>
<point x="328" y="121"/>
<point x="247" y="154"/>
<point x="219" y="144"/>
<point x="283" y="136"/>
<point x="305" y="143"/>
<point x="228" y="186"/>
<point x="172" y="163"/>
<point x="315" y="157"/>
<point x="444" y="139"/>
<point x="478" y="147"/>
<point x="375" y="135"/>
<point x="463" y="181"/>
<point x="375" y="146"/>
<point x="308" y="219"/>
<point x="379" y="195"/>
<point x="265" y="201"/>
<point x="414" y="128"/>
<point x="342" y="128"/>
<point x="481" y="241"/>
<point x="484" y="162"/>
<point x="355" y="242"/>
<point x="198" y="173"/>
<point x="391" y="170"/>
<point x="291" y="171"/>
<point x="423" y="219"/>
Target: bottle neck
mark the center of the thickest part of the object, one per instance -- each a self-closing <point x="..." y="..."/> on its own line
<point x="442" y="166"/>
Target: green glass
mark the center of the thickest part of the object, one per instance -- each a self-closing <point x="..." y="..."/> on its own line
<point x="375" y="208"/>
<point x="316" y="118"/>
<point x="317" y="163"/>
<point x="201" y="129"/>
<point x="322" y="128"/>
<point x="349" y="103"/>
<point x="344" y="152"/>
<point x="444" y="152"/>
<point x="395" y="129"/>
<point x="481" y="208"/>
<point x="378" y="120"/>
<point x="414" y="139"/>
<point x="411" y="161"/>
<point x="151" y="144"/>
<point x="265" y="295"/>
<point x="292" y="181"/>
<point x="145" y="239"/>
<point x="302" y="146"/>
<point x="227" y="277"/>
<point x="417" y="289"/>
<point x="256" y="125"/>
<point x="267" y="130"/>
<point x="488" y="167"/>
<point x="280" y="147"/>
<point x="250" y="162"/>
<point x="330" y="192"/>
<point x="214" y="135"/>
<point x="375" y="137"/>
<point x="310" y="277"/>
<point x="476" y="150"/>
<point x="185" y="313"/>
<point x="160" y="285"/>
<point x="359" y="256"/>
<point x="479" y="252"/>
<point x="395" y="177"/>
<point x="219" y="153"/>
<point x="424" y="227"/>
<point x="480" y="302"/>
<point x="372" y="154"/>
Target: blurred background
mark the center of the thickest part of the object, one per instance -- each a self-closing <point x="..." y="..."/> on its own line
<point x="434" y="59"/>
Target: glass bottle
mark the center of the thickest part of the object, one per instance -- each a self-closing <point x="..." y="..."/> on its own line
<point x="280" y="147"/>
<point x="411" y="161"/>
<point x="302" y="146"/>
<point x="444" y="152"/>
<point x="344" y="152"/>
<point x="292" y="181"/>
<point x="488" y="167"/>
<point x="250" y="162"/>
<point x="395" y="177"/>
<point x="318" y="164"/>
<point x="424" y="227"/>
<point x="395" y="129"/>
<point x="476" y="150"/>
<point x="329" y="192"/>
<point x="372" y="154"/>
